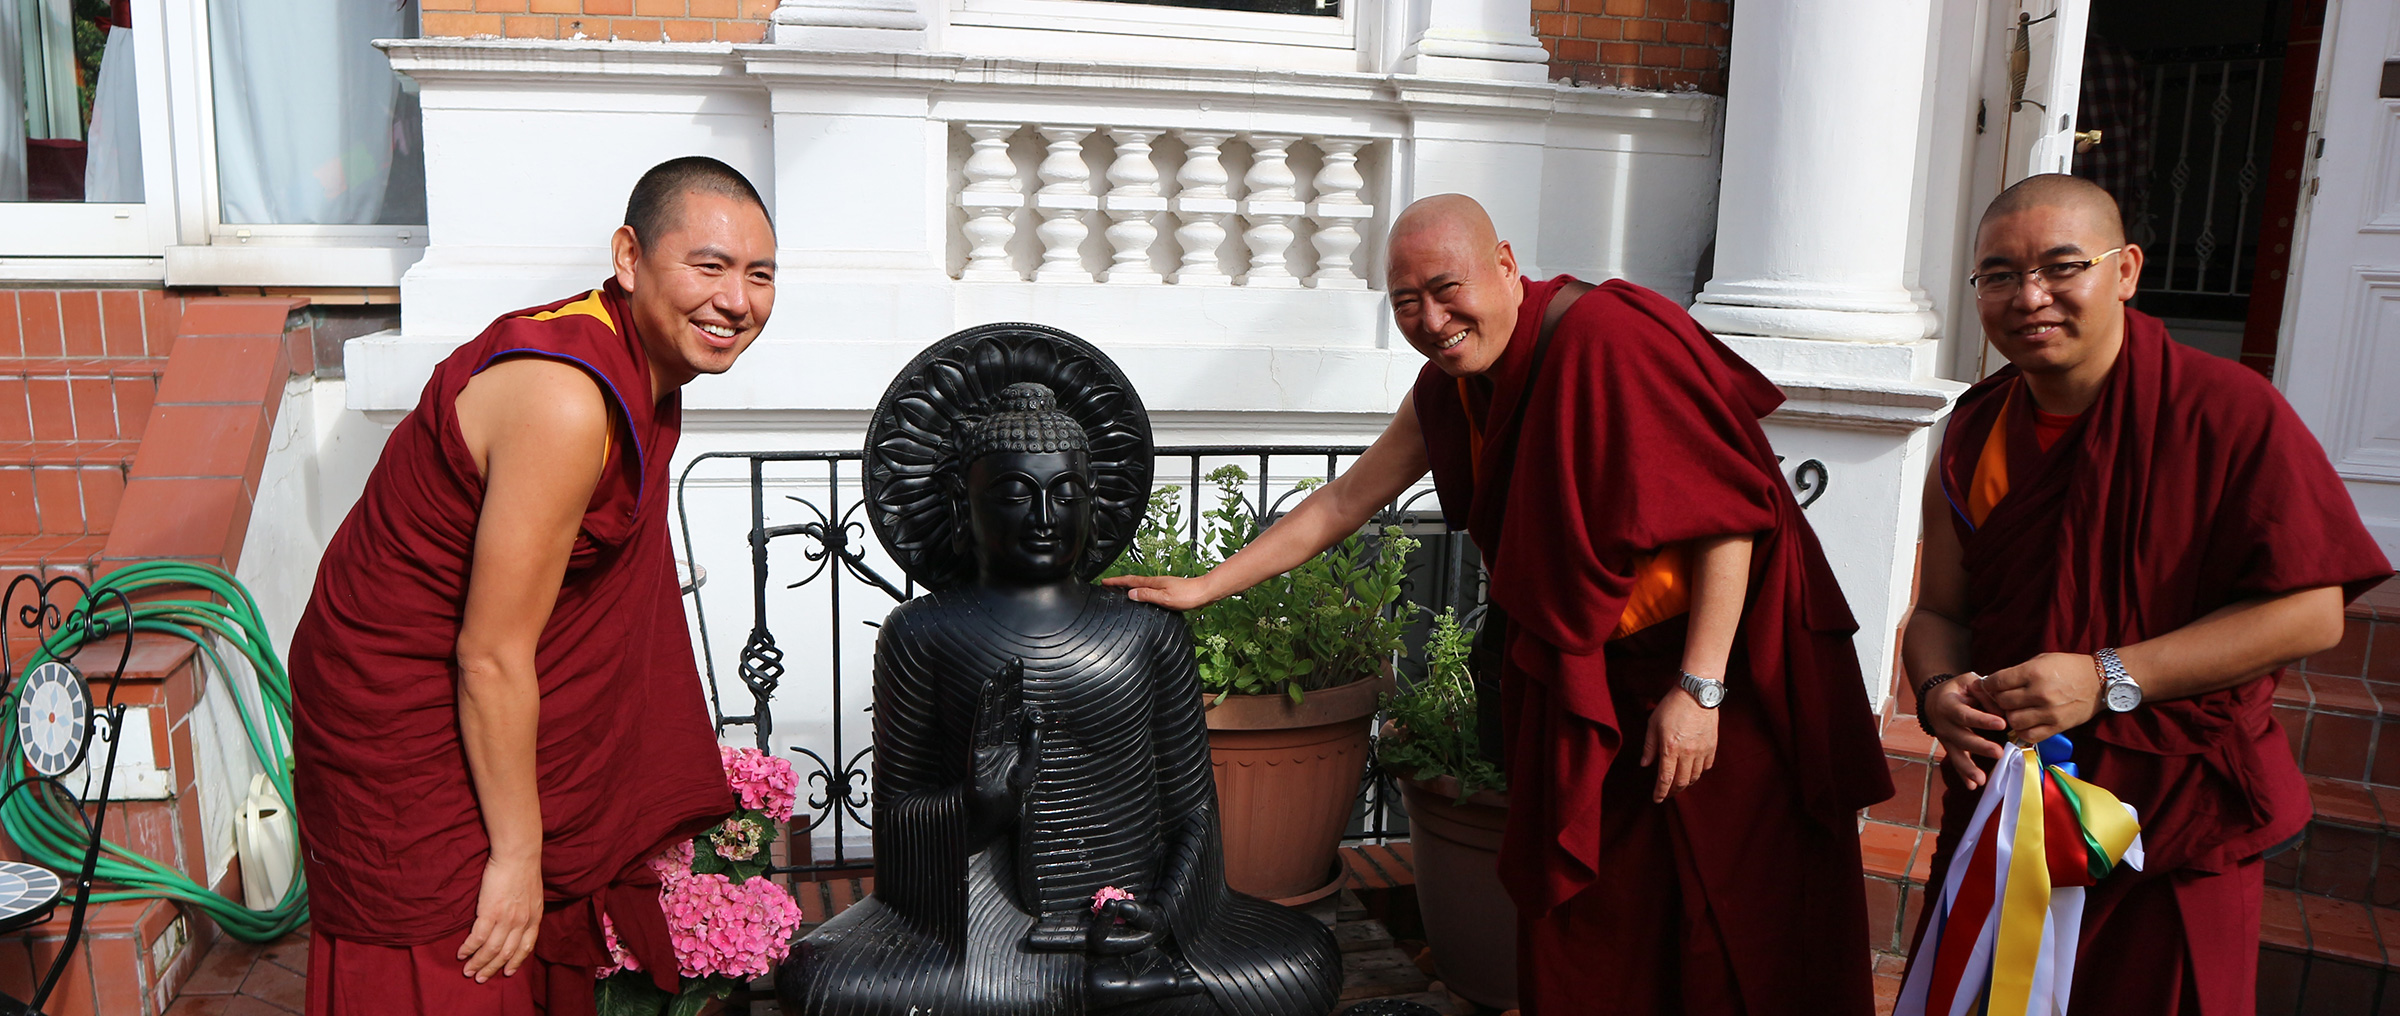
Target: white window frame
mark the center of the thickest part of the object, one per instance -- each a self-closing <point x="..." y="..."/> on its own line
<point x="213" y="252"/>
<point x="61" y="241"/>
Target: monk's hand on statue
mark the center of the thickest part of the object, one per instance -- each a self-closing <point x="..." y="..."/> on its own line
<point x="1682" y="740"/>
<point x="1125" y="927"/>
<point x="1173" y="592"/>
<point x="508" y="914"/>
<point x="1956" y="710"/>
<point x="2048" y="694"/>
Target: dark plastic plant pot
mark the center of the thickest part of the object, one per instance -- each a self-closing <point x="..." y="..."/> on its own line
<point x="1287" y="775"/>
<point x="1469" y="920"/>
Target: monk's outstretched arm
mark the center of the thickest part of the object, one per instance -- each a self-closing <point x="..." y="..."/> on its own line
<point x="2233" y="644"/>
<point x="1324" y="517"/>
<point x="538" y="429"/>
<point x="1936" y="641"/>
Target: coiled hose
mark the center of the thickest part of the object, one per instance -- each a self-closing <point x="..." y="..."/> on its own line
<point x="51" y="831"/>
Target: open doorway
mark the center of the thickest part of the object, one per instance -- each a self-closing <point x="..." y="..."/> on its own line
<point x="2202" y="108"/>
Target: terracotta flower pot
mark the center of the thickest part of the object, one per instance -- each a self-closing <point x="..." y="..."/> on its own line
<point x="1287" y="776"/>
<point x="1469" y="920"/>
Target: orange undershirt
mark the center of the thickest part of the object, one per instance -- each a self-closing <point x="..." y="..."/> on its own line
<point x="1990" y="483"/>
<point x="1661" y="585"/>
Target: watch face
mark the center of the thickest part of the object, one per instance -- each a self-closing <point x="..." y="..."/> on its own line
<point x="2124" y="695"/>
<point x="1712" y="693"/>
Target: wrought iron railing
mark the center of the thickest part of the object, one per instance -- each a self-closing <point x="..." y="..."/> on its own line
<point x="772" y="497"/>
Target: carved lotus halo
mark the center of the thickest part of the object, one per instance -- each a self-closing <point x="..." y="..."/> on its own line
<point x="913" y="469"/>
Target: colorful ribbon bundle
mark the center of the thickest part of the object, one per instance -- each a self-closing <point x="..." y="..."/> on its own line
<point x="2002" y="939"/>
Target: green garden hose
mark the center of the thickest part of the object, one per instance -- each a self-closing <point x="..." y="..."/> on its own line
<point x="50" y="830"/>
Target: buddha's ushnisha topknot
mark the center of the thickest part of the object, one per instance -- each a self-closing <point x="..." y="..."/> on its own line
<point x="1024" y="418"/>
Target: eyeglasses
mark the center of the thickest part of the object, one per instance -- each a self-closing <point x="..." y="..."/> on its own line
<point x="2051" y="277"/>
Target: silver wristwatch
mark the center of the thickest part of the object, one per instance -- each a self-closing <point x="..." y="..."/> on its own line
<point x="1709" y="693"/>
<point x="2117" y="688"/>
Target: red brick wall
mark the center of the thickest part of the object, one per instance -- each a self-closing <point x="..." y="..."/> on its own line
<point x="633" y="20"/>
<point x="1665" y="45"/>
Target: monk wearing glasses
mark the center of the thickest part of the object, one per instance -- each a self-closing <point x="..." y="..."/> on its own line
<point x="2126" y="540"/>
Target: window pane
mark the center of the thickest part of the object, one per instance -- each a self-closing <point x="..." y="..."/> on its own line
<point x="313" y="126"/>
<point x="67" y="96"/>
<point x="1326" y="8"/>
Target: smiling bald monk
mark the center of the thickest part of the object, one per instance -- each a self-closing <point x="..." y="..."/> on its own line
<point x="2126" y="540"/>
<point x="497" y="716"/>
<point x="1687" y="734"/>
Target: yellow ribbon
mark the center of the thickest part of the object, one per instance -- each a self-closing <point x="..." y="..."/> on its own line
<point x="2025" y="900"/>
<point x="2104" y="817"/>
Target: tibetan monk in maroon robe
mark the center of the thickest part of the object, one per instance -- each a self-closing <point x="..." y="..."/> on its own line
<point x="1666" y="855"/>
<point x="498" y="720"/>
<point x="2126" y="540"/>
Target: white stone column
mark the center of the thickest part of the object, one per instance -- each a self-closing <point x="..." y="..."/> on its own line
<point x="1821" y="123"/>
<point x="1485" y="39"/>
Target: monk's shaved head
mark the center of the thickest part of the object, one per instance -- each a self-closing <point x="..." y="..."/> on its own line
<point x="657" y="197"/>
<point x="2087" y="200"/>
<point x="1446" y="214"/>
<point x="1453" y="283"/>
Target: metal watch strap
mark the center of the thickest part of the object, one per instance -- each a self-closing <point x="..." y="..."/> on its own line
<point x="1709" y="693"/>
<point x="1926" y="689"/>
<point x="2112" y="676"/>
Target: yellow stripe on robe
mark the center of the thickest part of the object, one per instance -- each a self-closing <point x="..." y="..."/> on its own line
<point x="590" y="306"/>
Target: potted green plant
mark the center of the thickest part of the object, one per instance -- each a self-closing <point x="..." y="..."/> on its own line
<point x="1457" y="804"/>
<point x="1290" y="671"/>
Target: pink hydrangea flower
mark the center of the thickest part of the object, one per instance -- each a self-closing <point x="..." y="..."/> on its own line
<point x="1101" y="899"/>
<point x="619" y="959"/>
<point x="735" y="929"/>
<point x="765" y="783"/>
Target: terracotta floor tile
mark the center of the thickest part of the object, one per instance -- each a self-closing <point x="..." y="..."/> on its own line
<point x="200" y="1005"/>
<point x="11" y="346"/>
<point x="95" y="404"/>
<point x="37" y="317"/>
<point x="134" y="398"/>
<point x="2340" y="861"/>
<point x="2335" y="988"/>
<point x="2345" y="801"/>
<point x="245" y="1005"/>
<point x="18" y="515"/>
<point x="103" y="488"/>
<point x="1902" y="737"/>
<point x="79" y="320"/>
<point x="223" y="368"/>
<point x="2383" y="651"/>
<point x="200" y="441"/>
<point x="2348" y="658"/>
<point x="52" y="411"/>
<point x="2339" y="745"/>
<point x="223" y="969"/>
<point x="235" y="316"/>
<point x="117" y="962"/>
<point x="16" y="419"/>
<point x="1887" y="849"/>
<point x="161" y="314"/>
<point x="2347" y="694"/>
<point x="290" y="952"/>
<point x="1906" y="806"/>
<point x="2294" y="722"/>
<point x="1883" y="913"/>
<point x="277" y="986"/>
<point x="2282" y="921"/>
<point x="178" y="518"/>
<point x="2280" y="975"/>
<point x="121" y="322"/>
<point x="2291" y="689"/>
<point x="2341" y="928"/>
<point x="58" y="496"/>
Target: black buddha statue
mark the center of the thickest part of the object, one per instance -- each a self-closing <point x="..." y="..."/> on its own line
<point x="1044" y="816"/>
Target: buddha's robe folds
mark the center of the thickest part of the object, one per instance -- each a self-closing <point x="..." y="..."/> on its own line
<point x="393" y="837"/>
<point x="2187" y="486"/>
<point x="1123" y="796"/>
<point x="1741" y="894"/>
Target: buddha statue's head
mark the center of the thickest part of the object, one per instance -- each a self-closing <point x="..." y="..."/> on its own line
<point x="1027" y="490"/>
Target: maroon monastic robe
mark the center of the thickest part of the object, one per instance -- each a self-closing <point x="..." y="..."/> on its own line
<point x="394" y="839"/>
<point x="2187" y="486"/>
<point x="1743" y="892"/>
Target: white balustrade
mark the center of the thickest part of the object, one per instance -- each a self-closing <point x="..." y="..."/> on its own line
<point x="1065" y="196"/>
<point x="1337" y="211"/>
<point x="1132" y="203"/>
<point x="1271" y="205"/>
<point x="1205" y="205"/>
<point x="1133" y="198"/>
<point x="991" y="199"/>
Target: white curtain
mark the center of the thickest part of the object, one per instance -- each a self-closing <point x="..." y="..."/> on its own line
<point x="47" y="42"/>
<point x="12" y="103"/>
<point x="112" y="166"/>
<point x="304" y="108"/>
